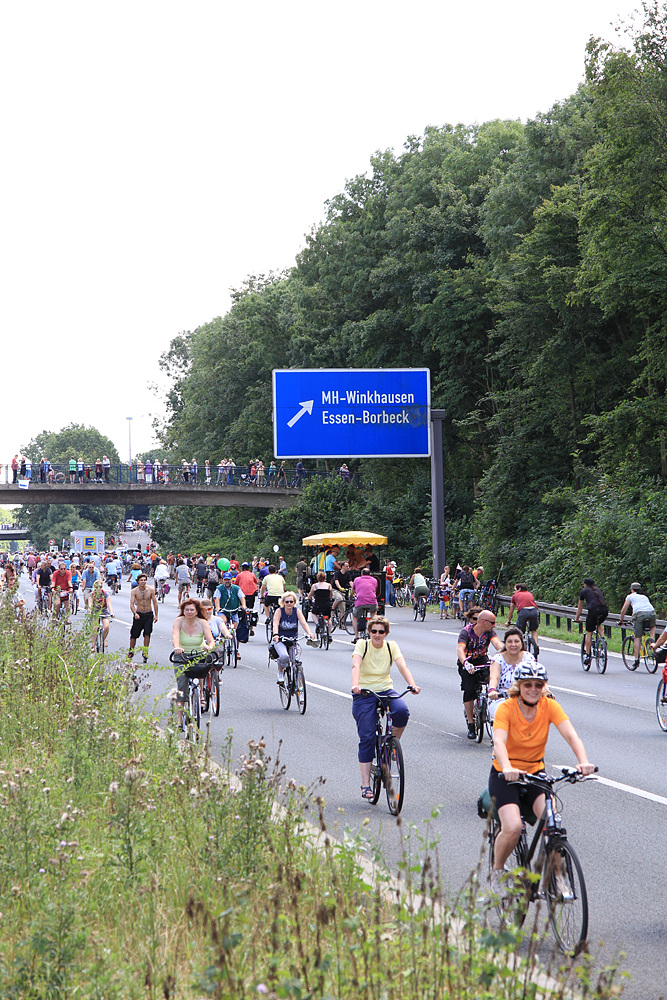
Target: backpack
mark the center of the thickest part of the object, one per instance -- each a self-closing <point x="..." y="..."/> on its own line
<point x="242" y="629"/>
<point x="391" y="655"/>
<point x="212" y="576"/>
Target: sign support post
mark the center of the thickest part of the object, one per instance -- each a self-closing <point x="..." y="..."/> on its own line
<point x="437" y="493"/>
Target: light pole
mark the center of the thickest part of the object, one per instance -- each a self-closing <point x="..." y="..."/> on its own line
<point x="129" y="437"/>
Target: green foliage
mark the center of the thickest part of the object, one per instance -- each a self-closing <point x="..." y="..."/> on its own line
<point x="133" y="866"/>
<point x="526" y="266"/>
<point x="75" y="441"/>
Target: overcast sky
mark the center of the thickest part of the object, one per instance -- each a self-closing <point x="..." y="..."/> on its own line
<point x="157" y="153"/>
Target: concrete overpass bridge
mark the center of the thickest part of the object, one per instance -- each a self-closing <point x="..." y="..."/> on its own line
<point x="153" y="494"/>
<point x="13" y="534"/>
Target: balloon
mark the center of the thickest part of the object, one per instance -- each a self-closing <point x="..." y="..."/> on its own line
<point x="223" y="564"/>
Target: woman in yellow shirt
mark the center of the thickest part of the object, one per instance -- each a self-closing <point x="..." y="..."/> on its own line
<point x="520" y="733"/>
<point x="371" y="671"/>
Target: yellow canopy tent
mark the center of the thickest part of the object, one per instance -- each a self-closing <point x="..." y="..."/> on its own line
<point x="345" y="538"/>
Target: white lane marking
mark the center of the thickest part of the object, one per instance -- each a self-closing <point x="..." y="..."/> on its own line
<point x="129" y="624"/>
<point x="565" y="652"/>
<point x="321" y="687"/>
<point x="444" y="631"/>
<point x="651" y="796"/>
<point x="584" y="694"/>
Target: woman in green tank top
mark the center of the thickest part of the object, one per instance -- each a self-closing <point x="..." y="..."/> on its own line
<point x="190" y="633"/>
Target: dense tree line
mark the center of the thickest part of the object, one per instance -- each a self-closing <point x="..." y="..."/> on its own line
<point x="526" y="266"/>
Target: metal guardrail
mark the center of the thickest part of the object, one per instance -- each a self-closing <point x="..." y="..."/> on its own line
<point x="568" y="614"/>
<point x="123" y="473"/>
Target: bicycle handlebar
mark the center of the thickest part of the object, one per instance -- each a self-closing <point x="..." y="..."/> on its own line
<point x="387" y="697"/>
<point x="210" y="656"/>
<point x="542" y="779"/>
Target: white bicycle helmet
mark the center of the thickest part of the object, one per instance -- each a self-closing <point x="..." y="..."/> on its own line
<point x="530" y="671"/>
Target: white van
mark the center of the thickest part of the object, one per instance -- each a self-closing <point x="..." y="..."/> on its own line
<point x="130" y="525"/>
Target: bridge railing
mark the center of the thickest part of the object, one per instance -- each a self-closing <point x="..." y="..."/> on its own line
<point x="174" y="475"/>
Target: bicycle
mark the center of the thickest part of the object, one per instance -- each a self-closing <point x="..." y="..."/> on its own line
<point x="560" y="877"/>
<point x="420" y="608"/>
<point x="231" y="648"/>
<point x="100" y="638"/>
<point x="212" y="689"/>
<point x="294" y="682"/>
<point x="598" y="653"/>
<point x="388" y="768"/>
<point x="401" y="591"/>
<point x="661" y="701"/>
<point x="44" y="600"/>
<point x="645" y="652"/>
<point x="74" y="600"/>
<point x="112" y="584"/>
<point x="59" y="478"/>
<point x="160" y="591"/>
<point x="198" y="666"/>
<point x="529" y="643"/>
<point x="322" y="633"/>
<point x="480" y="711"/>
<point x="362" y="624"/>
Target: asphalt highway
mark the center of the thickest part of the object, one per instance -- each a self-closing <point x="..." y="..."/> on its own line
<point x="617" y="824"/>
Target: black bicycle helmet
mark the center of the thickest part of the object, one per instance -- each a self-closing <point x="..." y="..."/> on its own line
<point x="530" y="672"/>
<point x="245" y="565"/>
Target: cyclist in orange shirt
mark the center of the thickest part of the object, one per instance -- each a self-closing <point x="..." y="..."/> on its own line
<point x="520" y="733"/>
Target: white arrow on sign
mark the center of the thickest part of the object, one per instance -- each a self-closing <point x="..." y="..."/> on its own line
<point x="306" y="407"/>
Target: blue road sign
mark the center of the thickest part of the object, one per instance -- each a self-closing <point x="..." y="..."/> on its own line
<point x="352" y="413"/>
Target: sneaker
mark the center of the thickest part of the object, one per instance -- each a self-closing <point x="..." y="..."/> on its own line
<point x="636" y="664"/>
<point x="587" y="659"/>
<point x="471" y="730"/>
<point x="354" y="640"/>
<point x="144" y="657"/>
<point x="498" y="884"/>
<point x="281" y="678"/>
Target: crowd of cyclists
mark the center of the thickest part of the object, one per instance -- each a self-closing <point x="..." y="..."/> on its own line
<point x="219" y="597"/>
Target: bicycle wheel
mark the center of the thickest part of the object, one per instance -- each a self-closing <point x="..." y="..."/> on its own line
<point x="628" y="652"/>
<point x="422" y="608"/>
<point x="327" y="637"/>
<point x="59" y="478"/>
<point x="347" y="622"/>
<point x="416" y="610"/>
<point x="399" y="596"/>
<point x="601" y="655"/>
<point x="196" y="712"/>
<point x="394" y="778"/>
<point x="478" y="718"/>
<point x="567" y="900"/>
<point x="531" y="645"/>
<point x="661" y="705"/>
<point x="285" y="689"/>
<point x="376" y="781"/>
<point x="586" y="666"/>
<point x="519" y="884"/>
<point x="215" y="692"/>
<point x="234" y="651"/>
<point x="650" y="661"/>
<point x="300" y="690"/>
<point x="269" y="628"/>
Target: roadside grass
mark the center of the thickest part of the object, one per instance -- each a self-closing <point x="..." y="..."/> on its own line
<point x="132" y="867"/>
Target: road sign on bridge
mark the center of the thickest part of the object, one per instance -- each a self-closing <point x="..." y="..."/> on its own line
<point x="352" y="412"/>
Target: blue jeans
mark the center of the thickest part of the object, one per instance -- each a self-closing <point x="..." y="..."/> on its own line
<point x="389" y="593"/>
<point x="364" y="710"/>
<point x="465" y="598"/>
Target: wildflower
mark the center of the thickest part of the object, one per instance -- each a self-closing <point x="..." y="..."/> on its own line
<point x="261" y="988"/>
<point x="113" y="787"/>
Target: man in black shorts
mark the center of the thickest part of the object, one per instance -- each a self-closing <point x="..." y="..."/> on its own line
<point x="143" y="607"/>
<point x="597" y="611"/>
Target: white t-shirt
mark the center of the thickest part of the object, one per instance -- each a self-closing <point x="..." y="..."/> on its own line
<point x="640" y="602"/>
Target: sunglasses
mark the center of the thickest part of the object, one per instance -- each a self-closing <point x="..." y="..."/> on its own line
<point x="377" y="631"/>
<point x="533" y="684"/>
<point x="288" y="602"/>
